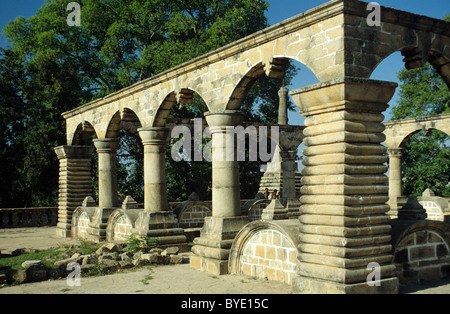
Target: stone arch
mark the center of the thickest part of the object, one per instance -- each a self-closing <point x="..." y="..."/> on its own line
<point x="421" y="250"/>
<point x="191" y="214"/>
<point x="125" y="119"/>
<point x="434" y="211"/>
<point x="437" y="208"/>
<point x="183" y="96"/>
<point x="416" y="47"/>
<point x="255" y="211"/>
<point x="419" y="128"/>
<point x="408" y="137"/>
<point x="84" y="133"/>
<point x="441" y="64"/>
<point x="80" y="223"/>
<point x="266" y="250"/>
<point x="120" y="224"/>
<point x="274" y="68"/>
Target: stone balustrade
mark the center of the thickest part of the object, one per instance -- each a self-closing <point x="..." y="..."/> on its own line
<point x="28" y="217"/>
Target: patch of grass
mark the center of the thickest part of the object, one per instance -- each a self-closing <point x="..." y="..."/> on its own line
<point x="87" y="248"/>
<point x="145" y="281"/>
<point x="46" y="256"/>
<point x="141" y="243"/>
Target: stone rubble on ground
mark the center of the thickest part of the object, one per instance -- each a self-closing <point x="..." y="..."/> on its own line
<point x="107" y="258"/>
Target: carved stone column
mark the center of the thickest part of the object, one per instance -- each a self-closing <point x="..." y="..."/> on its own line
<point x="344" y="226"/>
<point x="155" y="182"/>
<point x="157" y="220"/>
<point x="107" y="172"/>
<point x="213" y="247"/>
<point x="282" y="108"/>
<point x="75" y="183"/>
<point x="395" y="177"/>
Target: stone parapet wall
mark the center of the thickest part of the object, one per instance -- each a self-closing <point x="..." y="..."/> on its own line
<point x="28" y="217"/>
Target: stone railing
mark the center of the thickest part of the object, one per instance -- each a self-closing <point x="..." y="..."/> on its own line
<point x="28" y="217"/>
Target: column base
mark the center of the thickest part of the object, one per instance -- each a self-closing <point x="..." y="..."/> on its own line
<point x="163" y="226"/>
<point x="305" y="285"/>
<point x="209" y="265"/>
<point x="293" y="208"/>
<point x="212" y="248"/>
<point x="63" y="230"/>
<point x="97" y="228"/>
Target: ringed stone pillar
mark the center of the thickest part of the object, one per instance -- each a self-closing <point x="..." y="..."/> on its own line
<point x="395" y="177"/>
<point x="212" y="248"/>
<point x="75" y="183"/>
<point x="345" y="231"/>
<point x="157" y="220"/>
<point x="107" y="172"/>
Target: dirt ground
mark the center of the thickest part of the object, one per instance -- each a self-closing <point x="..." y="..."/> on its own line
<point x="173" y="279"/>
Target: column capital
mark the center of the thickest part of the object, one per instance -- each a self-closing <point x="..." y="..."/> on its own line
<point x="224" y="118"/>
<point x="288" y="155"/>
<point x="395" y="152"/>
<point x="107" y="145"/>
<point x="349" y="93"/>
<point x="154" y="136"/>
<point x="74" y="151"/>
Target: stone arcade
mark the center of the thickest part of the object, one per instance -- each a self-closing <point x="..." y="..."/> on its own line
<point x="343" y="224"/>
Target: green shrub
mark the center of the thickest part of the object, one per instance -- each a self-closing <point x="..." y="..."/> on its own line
<point x="141" y="243"/>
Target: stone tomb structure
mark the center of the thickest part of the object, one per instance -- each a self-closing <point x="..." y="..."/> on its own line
<point x="343" y="224"/>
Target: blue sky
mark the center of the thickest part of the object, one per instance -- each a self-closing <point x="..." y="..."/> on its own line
<point x="280" y="10"/>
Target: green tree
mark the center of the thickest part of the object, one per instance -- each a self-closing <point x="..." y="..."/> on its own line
<point x="119" y="43"/>
<point x="12" y="113"/>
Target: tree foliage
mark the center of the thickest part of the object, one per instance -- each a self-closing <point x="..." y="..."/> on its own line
<point x="50" y="68"/>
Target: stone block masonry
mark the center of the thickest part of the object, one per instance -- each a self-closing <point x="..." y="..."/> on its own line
<point x="269" y="255"/>
<point x="422" y="251"/>
<point x="267" y="249"/>
<point x="75" y="183"/>
<point x="344" y="222"/>
<point x="194" y="217"/>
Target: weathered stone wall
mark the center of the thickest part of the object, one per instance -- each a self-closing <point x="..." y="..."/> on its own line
<point x="28" y="217"/>
<point x="419" y="38"/>
<point x="193" y="215"/>
<point x="422" y="251"/>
